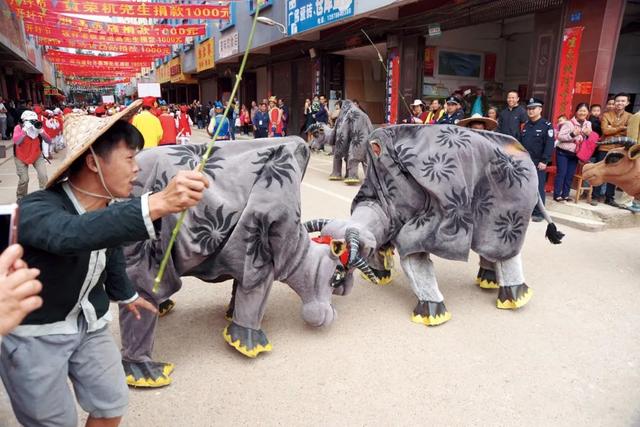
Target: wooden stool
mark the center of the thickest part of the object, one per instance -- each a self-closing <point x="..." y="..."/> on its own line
<point x="577" y="185"/>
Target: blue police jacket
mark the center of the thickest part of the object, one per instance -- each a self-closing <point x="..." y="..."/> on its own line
<point x="538" y="138"/>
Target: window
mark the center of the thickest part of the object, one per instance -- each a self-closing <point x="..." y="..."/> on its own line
<point x="459" y="64"/>
<point x="224" y="25"/>
<point x="262" y="3"/>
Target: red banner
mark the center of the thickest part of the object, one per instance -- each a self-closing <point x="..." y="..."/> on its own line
<point x="102" y="83"/>
<point x="101" y="63"/>
<point x="429" y="63"/>
<point x="73" y="35"/>
<point x="56" y="55"/>
<point x="29" y="9"/>
<point x="69" y="23"/>
<point x="566" y="78"/>
<point x="54" y="31"/>
<point x="393" y="86"/>
<point x="106" y="47"/>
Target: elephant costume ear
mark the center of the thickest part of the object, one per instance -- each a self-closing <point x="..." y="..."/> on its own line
<point x="634" y="152"/>
<point x="338" y="247"/>
<point x="376" y="147"/>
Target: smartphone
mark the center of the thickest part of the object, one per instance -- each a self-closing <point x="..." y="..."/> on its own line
<point x="8" y="225"/>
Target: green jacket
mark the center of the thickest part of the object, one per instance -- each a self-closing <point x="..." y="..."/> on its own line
<point x="80" y="257"/>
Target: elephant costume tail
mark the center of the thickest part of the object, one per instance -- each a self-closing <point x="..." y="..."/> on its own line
<point x="553" y="234"/>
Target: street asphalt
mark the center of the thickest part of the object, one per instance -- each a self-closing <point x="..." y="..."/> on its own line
<point x="571" y="357"/>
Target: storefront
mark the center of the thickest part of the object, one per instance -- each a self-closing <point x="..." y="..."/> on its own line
<point x="624" y="77"/>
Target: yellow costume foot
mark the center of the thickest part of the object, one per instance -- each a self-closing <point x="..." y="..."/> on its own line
<point x="487" y="279"/>
<point x="249" y="342"/>
<point x="512" y="297"/>
<point x="430" y="313"/>
<point x="384" y="277"/>
<point x="147" y="374"/>
<point x="352" y="181"/>
<point x="165" y="307"/>
<point x="335" y="178"/>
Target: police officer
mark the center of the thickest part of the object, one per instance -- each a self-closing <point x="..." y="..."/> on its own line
<point x="537" y="137"/>
<point x="453" y="114"/>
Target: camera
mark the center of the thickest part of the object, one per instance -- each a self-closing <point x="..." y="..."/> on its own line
<point x="36" y="123"/>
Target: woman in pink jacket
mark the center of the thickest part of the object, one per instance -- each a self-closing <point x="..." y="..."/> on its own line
<point x="570" y="136"/>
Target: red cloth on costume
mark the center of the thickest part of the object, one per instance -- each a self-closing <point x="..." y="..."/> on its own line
<point x="168" y="129"/>
<point x="60" y="121"/>
<point x="29" y="151"/>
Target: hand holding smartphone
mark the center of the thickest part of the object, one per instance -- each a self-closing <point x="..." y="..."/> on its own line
<point x="8" y="225"/>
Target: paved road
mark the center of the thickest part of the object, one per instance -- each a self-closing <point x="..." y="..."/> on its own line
<point x="570" y="357"/>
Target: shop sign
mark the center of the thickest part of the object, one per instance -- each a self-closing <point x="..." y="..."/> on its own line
<point x="567" y="68"/>
<point x="204" y="55"/>
<point x="228" y="45"/>
<point x="303" y="15"/>
<point x="174" y="67"/>
<point x="393" y="86"/>
<point x="162" y="74"/>
<point x="434" y="30"/>
<point x="584" y="88"/>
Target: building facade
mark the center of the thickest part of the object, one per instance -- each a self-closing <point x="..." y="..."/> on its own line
<point x="387" y="53"/>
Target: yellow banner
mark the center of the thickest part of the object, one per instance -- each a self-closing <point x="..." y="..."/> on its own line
<point x="204" y="55"/>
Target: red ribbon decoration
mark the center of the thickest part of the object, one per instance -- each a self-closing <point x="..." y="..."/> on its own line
<point x="40" y="9"/>
<point x="69" y="23"/>
<point x="106" y="47"/>
<point x="74" y="35"/>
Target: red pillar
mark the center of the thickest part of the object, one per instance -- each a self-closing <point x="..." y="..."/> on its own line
<point x="601" y="20"/>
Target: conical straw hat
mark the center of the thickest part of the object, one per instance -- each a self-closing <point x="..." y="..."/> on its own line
<point x="81" y="131"/>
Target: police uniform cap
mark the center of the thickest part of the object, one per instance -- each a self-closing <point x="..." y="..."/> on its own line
<point x="453" y="100"/>
<point x="534" y="102"/>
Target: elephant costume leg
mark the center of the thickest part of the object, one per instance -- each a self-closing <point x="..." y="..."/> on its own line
<point x="430" y="310"/>
<point x="244" y="333"/>
<point x="352" y="172"/>
<point x="513" y="292"/>
<point x="138" y="337"/>
<point x="486" y="278"/>
<point x="336" y="174"/>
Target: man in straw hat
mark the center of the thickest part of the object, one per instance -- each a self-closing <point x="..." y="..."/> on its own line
<point x="72" y="232"/>
<point x="478" y="122"/>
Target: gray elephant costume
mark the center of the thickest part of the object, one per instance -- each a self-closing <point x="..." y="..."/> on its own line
<point x="443" y="190"/>
<point x="247" y="228"/>
<point x="349" y="140"/>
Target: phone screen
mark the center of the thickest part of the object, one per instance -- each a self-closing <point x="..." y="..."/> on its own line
<point x="8" y="225"/>
<point x="5" y="227"/>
